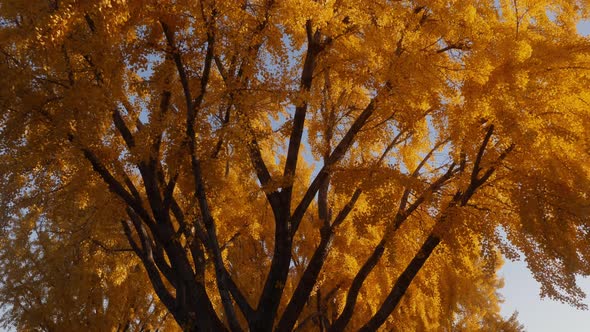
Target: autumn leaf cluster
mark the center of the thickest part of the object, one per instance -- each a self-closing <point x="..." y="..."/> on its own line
<point x="261" y="164"/>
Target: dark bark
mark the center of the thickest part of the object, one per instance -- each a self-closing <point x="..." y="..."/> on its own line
<point x="276" y="278"/>
<point x="192" y="107"/>
<point x="460" y="199"/>
<point x="313" y="48"/>
<point x="401" y="216"/>
<point x="312" y="271"/>
<point x="335" y="156"/>
<point x="402" y="284"/>
<point x="283" y="242"/>
<point x="357" y="283"/>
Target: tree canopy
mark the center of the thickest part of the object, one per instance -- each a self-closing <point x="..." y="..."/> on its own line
<point x="289" y="165"/>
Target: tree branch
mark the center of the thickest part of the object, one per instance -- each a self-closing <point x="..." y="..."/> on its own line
<point x="460" y="199"/>
<point x="159" y="287"/>
<point x="200" y="194"/>
<point x="324" y="172"/>
<point x="401" y="215"/>
<point x="123" y="129"/>
<point x="114" y="185"/>
<point x="312" y="271"/>
<point x="309" y="64"/>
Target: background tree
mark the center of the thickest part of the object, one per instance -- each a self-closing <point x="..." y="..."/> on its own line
<point x="290" y="164"/>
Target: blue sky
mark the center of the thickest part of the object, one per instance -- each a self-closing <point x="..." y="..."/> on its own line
<point x="521" y="293"/>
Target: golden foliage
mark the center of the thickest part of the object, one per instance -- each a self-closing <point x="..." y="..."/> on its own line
<point x="230" y="148"/>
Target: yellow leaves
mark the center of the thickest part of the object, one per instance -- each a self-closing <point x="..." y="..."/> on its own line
<point x="57" y="26"/>
<point x="522" y="51"/>
<point x="470" y="14"/>
<point x="120" y="274"/>
<point x="481" y="71"/>
<point x="350" y="263"/>
<point x="444" y="71"/>
<point x="521" y="80"/>
<point x="320" y="14"/>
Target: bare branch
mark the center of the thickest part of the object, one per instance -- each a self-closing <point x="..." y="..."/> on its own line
<point x="324" y="172"/>
<point x="123" y="129"/>
<point x="108" y="249"/>
<point x="313" y="48"/>
<point x="480" y="152"/>
<point x="159" y="287"/>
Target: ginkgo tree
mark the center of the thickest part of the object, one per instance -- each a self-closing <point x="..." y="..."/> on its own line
<point x="289" y="165"/>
